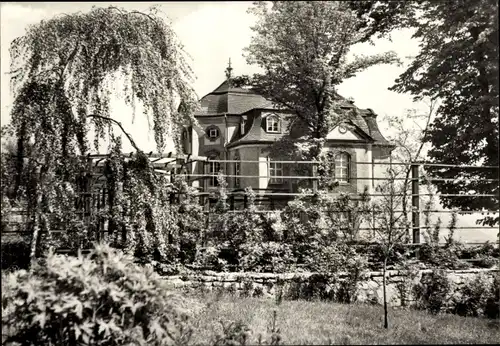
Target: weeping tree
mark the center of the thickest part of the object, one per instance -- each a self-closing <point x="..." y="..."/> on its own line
<point x="64" y="74"/>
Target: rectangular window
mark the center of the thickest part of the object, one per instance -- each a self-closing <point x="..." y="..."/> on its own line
<point x="342" y="168"/>
<point x="275" y="172"/>
<point x="213" y="133"/>
<point x="213" y="171"/>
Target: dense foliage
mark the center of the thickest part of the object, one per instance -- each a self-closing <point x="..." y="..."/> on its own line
<point x="476" y="297"/>
<point x="64" y="73"/>
<point x="458" y="64"/>
<point x="102" y="298"/>
<point x="302" y="48"/>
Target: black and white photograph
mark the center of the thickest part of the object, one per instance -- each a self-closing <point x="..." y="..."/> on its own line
<point x="250" y="173"/>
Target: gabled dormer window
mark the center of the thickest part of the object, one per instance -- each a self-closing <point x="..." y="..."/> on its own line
<point x="273" y="124"/>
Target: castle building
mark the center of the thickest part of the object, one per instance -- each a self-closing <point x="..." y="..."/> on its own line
<point x="240" y="125"/>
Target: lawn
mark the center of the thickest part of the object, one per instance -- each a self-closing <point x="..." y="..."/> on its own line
<point x="323" y="323"/>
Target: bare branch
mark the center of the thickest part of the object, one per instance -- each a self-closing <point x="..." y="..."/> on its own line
<point x="110" y="120"/>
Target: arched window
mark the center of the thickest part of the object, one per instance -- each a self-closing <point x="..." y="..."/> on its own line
<point x="342" y="161"/>
<point x="273" y="124"/>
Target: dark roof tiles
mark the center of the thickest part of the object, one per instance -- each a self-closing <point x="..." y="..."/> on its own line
<point x="230" y="100"/>
<point x="226" y="99"/>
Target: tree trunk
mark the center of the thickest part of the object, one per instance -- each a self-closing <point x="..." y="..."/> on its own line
<point x="34" y="240"/>
<point x="37" y="210"/>
<point x="384" y="286"/>
<point x="20" y="154"/>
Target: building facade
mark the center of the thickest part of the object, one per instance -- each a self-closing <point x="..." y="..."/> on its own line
<point x="239" y="125"/>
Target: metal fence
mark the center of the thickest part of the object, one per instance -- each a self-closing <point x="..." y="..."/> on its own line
<point x="93" y="198"/>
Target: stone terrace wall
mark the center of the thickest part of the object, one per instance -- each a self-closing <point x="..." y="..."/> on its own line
<point x="369" y="287"/>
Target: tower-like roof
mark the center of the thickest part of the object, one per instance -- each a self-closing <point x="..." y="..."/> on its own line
<point x="227" y="99"/>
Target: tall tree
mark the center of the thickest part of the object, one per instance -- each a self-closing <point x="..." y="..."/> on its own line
<point x="62" y="71"/>
<point x="458" y="64"/>
<point x="302" y="47"/>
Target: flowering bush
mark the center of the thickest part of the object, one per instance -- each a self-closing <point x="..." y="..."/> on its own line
<point x="99" y="299"/>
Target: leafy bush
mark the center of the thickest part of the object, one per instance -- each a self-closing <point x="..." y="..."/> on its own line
<point x="103" y="298"/>
<point x="233" y="333"/>
<point x="317" y="286"/>
<point x="492" y="309"/>
<point x="484" y="250"/>
<point x="336" y="258"/>
<point x="432" y="291"/>
<point x="266" y="257"/>
<point x="376" y="254"/>
<point x="442" y="257"/>
<point x="473" y="297"/>
<point x="238" y="333"/>
<point x="484" y="256"/>
<point x="340" y="258"/>
<point x="210" y="257"/>
<point x="487" y="262"/>
<point x="15" y="253"/>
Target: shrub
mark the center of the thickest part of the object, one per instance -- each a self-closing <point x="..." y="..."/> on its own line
<point x="474" y="297"/>
<point x="409" y="271"/>
<point x="486" y="262"/>
<point x="492" y="309"/>
<point x="209" y="257"/>
<point x="102" y="298"/>
<point x="340" y="258"/>
<point x="432" y="291"/>
<point x="266" y="257"/>
<point x="233" y="333"/>
<point x="247" y="288"/>
<point x="15" y="253"/>
<point x="443" y="257"/>
<point x="318" y="286"/>
<point x="376" y="254"/>
<point x="336" y="258"/>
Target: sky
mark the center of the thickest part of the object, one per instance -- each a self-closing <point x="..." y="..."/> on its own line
<point x="213" y="32"/>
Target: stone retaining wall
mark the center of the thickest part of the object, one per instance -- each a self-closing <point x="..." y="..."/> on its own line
<point x="368" y="288"/>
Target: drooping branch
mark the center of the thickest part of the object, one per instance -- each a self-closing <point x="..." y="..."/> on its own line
<point x="110" y="120"/>
<point x="88" y="50"/>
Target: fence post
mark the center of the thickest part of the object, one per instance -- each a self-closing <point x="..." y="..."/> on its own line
<point x="315" y="174"/>
<point x="415" y="203"/>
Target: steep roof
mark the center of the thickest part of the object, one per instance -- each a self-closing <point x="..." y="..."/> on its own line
<point x="226" y="99"/>
<point x="371" y="120"/>
<point x="229" y="100"/>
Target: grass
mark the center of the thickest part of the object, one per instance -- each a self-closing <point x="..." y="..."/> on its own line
<point x="323" y="323"/>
